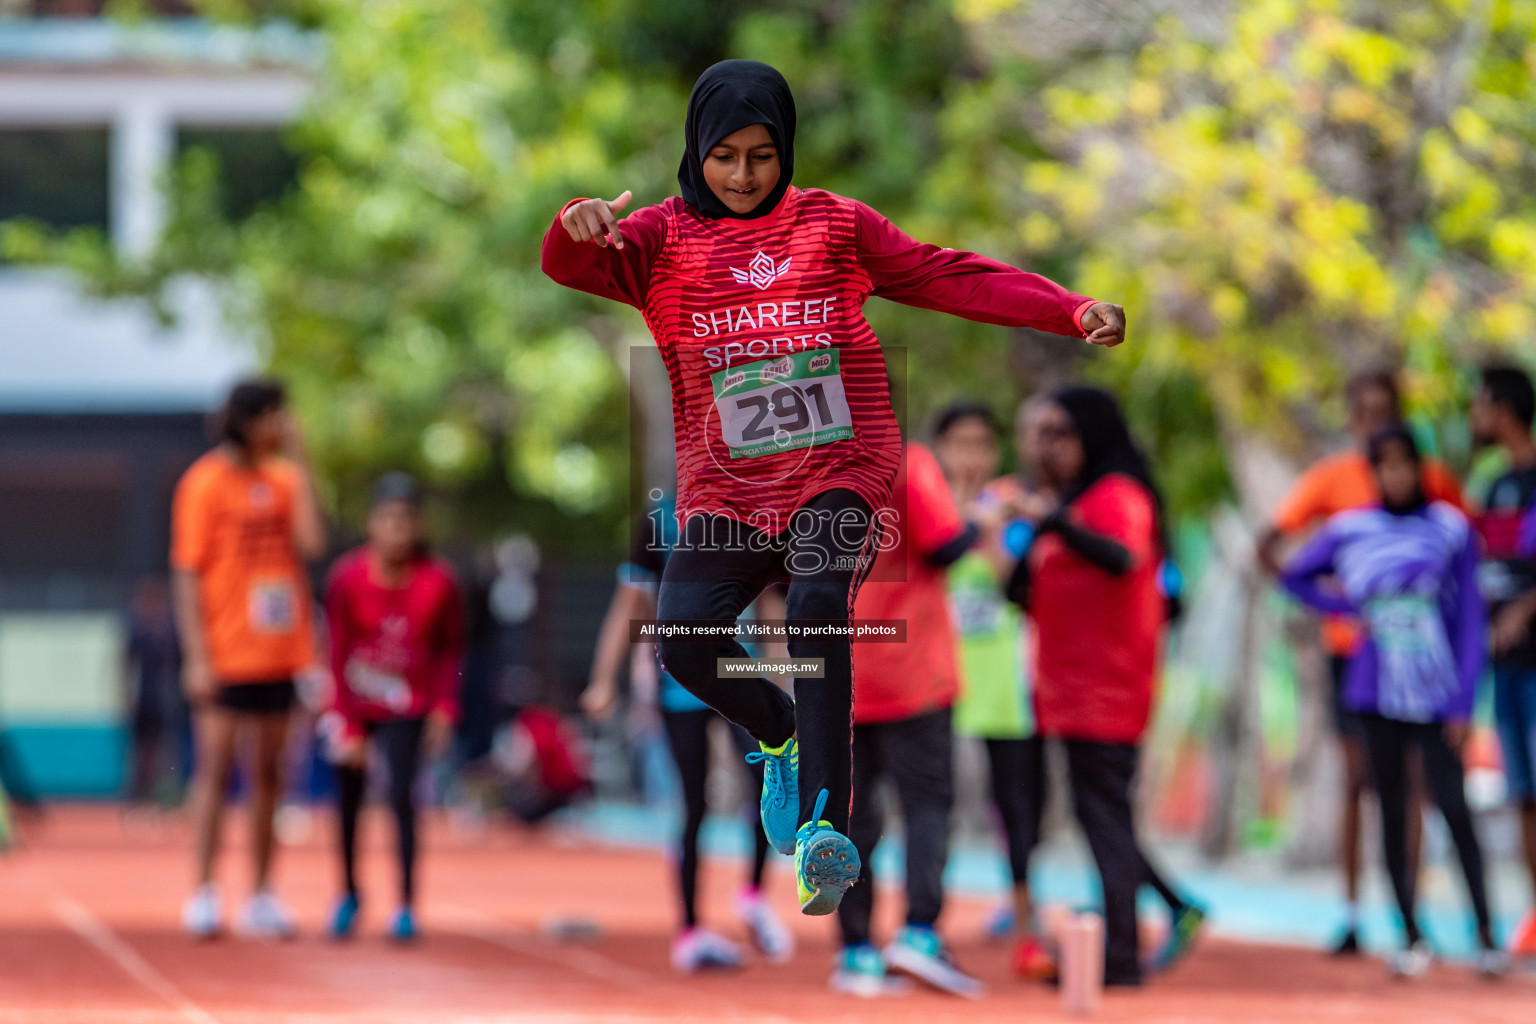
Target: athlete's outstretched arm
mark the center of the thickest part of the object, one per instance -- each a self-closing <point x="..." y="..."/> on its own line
<point x="589" y="249"/>
<point x="977" y="287"/>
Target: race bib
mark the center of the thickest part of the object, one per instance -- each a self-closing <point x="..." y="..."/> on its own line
<point x="273" y="606"/>
<point x="1416" y="671"/>
<point x="378" y="686"/>
<point x="775" y="405"/>
<point x="976" y="612"/>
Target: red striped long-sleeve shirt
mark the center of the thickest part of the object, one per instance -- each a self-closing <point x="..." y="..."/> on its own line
<point x="396" y="650"/>
<point x="779" y="390"/>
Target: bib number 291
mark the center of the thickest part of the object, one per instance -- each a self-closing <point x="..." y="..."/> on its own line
<point x="787" y="409"/>
<point x="774" y="405"/>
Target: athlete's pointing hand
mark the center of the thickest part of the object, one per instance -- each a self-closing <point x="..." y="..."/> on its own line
<point x="594" y="220"/>
<point x="1105" y="324"/>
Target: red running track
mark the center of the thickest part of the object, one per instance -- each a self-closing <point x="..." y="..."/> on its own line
<point x="89" y="935"/>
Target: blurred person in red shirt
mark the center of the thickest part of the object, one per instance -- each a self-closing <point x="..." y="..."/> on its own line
<point x="1341" y="483"/>
<point x="1090" y="581"/>
<point x="397" y="646"/>
<point x="904" y="694"/>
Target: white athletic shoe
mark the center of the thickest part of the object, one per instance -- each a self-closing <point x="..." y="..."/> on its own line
<point x="203" y="913"/>
<point x="1491" y="963"/>
<point x="699" y="949"/>
<point x="768" y="933"/>
<point x="1412" y="962"/>
<point x="265" y="917"/>
<point x="920" y="952"/>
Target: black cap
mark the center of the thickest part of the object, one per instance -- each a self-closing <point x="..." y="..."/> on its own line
<point x="397" y="487"/>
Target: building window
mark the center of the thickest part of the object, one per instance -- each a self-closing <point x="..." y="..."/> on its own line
<point x="255" y="166"/>
<point x="58" y="176"/>
<point x="92" y="8"/>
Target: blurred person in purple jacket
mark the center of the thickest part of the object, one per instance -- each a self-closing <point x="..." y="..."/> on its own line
<point x="1407" y="569"/>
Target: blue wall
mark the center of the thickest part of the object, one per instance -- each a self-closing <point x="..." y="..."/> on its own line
<point x="79" y="761"/>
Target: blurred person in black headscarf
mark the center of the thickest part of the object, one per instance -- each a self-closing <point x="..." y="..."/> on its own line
<point x="1091" y="583"/>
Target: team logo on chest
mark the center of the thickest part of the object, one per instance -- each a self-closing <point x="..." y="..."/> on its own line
<point x="762" y="271"/>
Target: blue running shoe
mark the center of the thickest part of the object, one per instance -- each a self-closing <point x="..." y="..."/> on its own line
<point x="826" y="863"/>
<point x="344" y="917"/>
<point x="780" y="803"/>
<point x="917" y="950"/>
<point x="860" y="971"/>
<point x="403" y="927"/>
<point x="1181" y="935"/>
<point x="1000" y="926"/>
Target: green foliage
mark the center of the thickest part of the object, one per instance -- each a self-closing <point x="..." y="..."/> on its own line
<point x="1330" y="184"/>
<point x="1322" y="185"/>
<point x="397" y="286"/>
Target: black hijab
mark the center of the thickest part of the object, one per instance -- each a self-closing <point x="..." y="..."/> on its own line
<point x="1107" y="447"/>
<point x="730" y="96"/>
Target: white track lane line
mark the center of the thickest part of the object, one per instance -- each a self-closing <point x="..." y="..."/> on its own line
<point x="90" y="928"/>
<point x="488" y="928"/>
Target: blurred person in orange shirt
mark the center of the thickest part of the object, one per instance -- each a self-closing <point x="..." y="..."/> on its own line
<point x="1340" y="483"/>
<point x="243" y="524"/>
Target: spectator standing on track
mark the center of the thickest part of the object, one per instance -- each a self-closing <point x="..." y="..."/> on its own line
<point x="1502" y="415"/>
<point x="1337" y="484"/>
<point x="994" y="705"/>
<point x="903" y="731"/>
<point x="1100" y="546"/>
<point x="687" y="721"/>
<point x="160" y="760"/>
<point x="396" y="622"/>
<point x="243" y="524"/>
<point x="1408" y="570"/>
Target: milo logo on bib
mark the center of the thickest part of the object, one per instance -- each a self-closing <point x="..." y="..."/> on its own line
<point x="774" y="405"/>
<point x="778" y="369"/>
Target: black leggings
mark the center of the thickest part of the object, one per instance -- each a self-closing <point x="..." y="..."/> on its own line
<point x="399" y="741"/>
<point x="1018" y="791"/>
<point x="1387" y="743"/>
<point x="917" y="755"/>
<point x="688" y="736"/>
<point x="1102" y="776"/>
<point x="718" y="567"/>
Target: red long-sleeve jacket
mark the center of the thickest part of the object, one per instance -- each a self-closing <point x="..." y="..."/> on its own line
<point x="396" y="651"/>
<point x="779" y="390"/>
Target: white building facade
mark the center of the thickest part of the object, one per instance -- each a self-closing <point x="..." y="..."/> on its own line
<point x="101" y="406"/>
